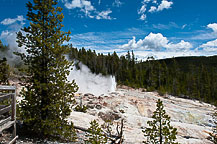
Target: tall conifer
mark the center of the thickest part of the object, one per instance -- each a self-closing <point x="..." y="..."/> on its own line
<point x="160" y="131"/>
<point x="47" y="94"/>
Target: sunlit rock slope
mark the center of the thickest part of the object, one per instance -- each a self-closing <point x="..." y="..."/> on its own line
<point x="192" y="118"/>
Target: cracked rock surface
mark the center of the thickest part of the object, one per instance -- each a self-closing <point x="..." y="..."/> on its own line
<point x="192" y="118"/>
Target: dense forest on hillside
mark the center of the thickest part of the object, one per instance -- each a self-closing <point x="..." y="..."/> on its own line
<point x="189" y="77"/>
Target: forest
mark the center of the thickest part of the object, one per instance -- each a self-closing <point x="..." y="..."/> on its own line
<point x="48" y="97"/>
<point x="187" y="77"/>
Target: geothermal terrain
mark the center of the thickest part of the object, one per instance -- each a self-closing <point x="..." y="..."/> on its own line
<point x="192" y="118"/>
<point x="105" y="101"/>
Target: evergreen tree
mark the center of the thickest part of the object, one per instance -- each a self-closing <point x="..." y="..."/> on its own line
<point x="47" y="94"/>
<point x="4" y="71"/>
<point x="95" y="135"/>
<point x="160" y="130"/>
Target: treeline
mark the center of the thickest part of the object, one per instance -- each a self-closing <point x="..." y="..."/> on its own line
<point x="4" y="67"/>
<point x="189" y="77"/>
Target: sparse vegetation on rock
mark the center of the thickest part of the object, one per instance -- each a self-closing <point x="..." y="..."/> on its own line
<point x="95" y="135"/>
<point x="160" y="131"/>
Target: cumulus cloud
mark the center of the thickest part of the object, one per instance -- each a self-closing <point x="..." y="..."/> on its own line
<point x="9" y="21"/>
<point x="156" y="42"/>
<point x="207" y="35"/>
<point x="164" y="5"/>
<point x="213" y="26"/>
<point x="210" y="46"/>
<point x="151" y="42"/>
<point x="87" y="7"/>
<point x="181" y="46"/>
<point x="84" y="5"/>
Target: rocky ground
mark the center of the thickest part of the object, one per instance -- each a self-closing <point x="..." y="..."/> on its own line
<point x="192" y="118"/>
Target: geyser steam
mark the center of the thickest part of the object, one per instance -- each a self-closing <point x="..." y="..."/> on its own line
<point x="92" y="83"/>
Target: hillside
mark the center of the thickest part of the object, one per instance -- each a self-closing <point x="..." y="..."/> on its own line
<point x="192" y="118"/>
<point x="189" y="77"/>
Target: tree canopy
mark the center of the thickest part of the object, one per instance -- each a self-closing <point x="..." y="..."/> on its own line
<point x="160" y="131"/>
<point x="47" y="94"/>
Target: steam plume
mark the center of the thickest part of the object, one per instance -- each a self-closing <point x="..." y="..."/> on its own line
<point x="92" y="83"/>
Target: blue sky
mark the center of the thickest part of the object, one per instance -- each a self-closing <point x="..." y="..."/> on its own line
<point x="162" y="28"/>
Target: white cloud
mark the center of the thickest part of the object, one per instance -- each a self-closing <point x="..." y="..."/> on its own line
<point x="84" y="5"/>
<point x="117" y="3"/>
<point x="142" y="9"/>
<point x="9" y="21"/>
<point x="210" y="46"/>
<point x="152" y="9"/>
<point x="156" y="42"/>
<point x="143" y="55"/>
<point x="151" y="42"/>
<point x="104" y="15"/>
<point x="89" y="10"/>
<point x="147" y="1"/>
<point x="143" y="17"/>
<point x="154" y="1"/>
<point x="213" y="26"/>
<point x="206" y="35"/>
<point x="164" y="5"/>
<point x="181" y="46"/>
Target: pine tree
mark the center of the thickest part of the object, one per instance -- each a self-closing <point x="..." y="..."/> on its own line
<point x="4" y="71"/>
<point x="47" y="94"/>
<point x="95" y="135"/>
<point x="160" y="131"/>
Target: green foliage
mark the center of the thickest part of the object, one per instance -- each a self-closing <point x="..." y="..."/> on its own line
<point x="47" y="94"/>
<point x="161" y="91"/>
<point x="95" y="135"/>
<point x="4" y="71"/>
<point x="160" y="131"/>
<point x="192" y="77"/>
<point x="213" y="135"/>
<point x="81" y="108"/>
